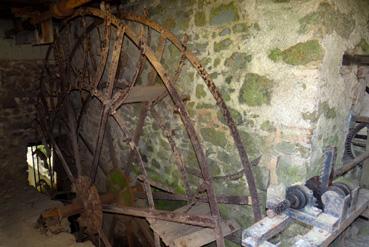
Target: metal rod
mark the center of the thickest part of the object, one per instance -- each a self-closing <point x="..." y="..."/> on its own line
<point x="73" y="136"/>
<point x="351" y="165"/>
<point x="225" y="199"/>
<point x="38" y="166"/>
<point x="178" y="158"/>
<point x="106" y="110"/>
<point x="33" y="166"/>
<point x="143" y="114"/>
<point x="196" y="220"/>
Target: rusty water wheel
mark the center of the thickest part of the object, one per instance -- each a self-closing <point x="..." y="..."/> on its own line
<point x="93" y="69"/>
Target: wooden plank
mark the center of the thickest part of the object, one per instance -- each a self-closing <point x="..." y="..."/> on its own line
<point x="321" y="238"/>
<point x="144" y="93"/>
<point x="176" y="234"/>
<point x="265" y="229"/>
<point x="169" y="231"/>
<point x="365" y="214"/>
<point x="205" y="235"/>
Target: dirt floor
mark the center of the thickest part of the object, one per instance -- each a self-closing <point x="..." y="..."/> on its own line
<point x="19" y="210"/>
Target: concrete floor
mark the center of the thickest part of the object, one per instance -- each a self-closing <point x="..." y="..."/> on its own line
<point x="20" y="208"/>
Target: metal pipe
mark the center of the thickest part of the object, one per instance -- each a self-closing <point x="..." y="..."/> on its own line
<point x="350" y="165"/>
<point x="33" y="167"/>
<point x="197" y="220"/>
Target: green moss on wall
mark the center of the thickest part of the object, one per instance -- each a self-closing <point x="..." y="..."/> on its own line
<point x="169" y="23"/>
<point x="241" y="28"/>
<point x="216" y="62"/>
<point x="327" y="19"/>
<point x="275" y="54"/>
<point x="299" y="54"/>
<point x="285" y="147"/>
<point x="236" y="115"/>
<point x="237" y="61"/>
<point x="118" y="184"/>
<point x="251" y="143"/>
<point x="225" y="92"/>
<point x="225" y="31"/>
<point x="224" y="14"/>
<point x="290" y="173"/>
<point x="267" y="126"/>
<point x="326" y="110"/>
<point x="217" y="138"/>
<point x="310" y="116"/>
<point x="200" y="19"/>
<point x="222" y="45"/>
<point x="200" y="91"/>
<point x="364" y="46"/>
<point x="256" y="90"/>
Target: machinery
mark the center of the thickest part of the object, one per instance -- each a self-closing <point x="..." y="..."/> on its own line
<point x="328" y="207"/>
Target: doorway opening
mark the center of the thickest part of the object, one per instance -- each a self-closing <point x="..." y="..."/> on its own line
<point x="41" y="174"/>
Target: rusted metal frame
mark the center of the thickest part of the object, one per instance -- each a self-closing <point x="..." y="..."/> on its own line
<point x="233" y="176"/>
<point x="147" y="186"/>
<point x="60" y="61"/>
<point x="235" y="134"/>
<point x="194" y="140"/>
<point x="350" y="165"/>
<point x="104" y="51"/>
<point x="196" y="220"/>
<point x="146" y="107"/>
<point x="113" y="154"/>
<point x="239" y="174"/>
<point x="73" y="136"/>
<point x="224" y="199"/>
<point x="137" y="134"/>
<point x="121" y="95"/>
<point x="90" y="151"/>
<point x="58" y="152"/>
<point x="107" y="107"/>
<point x="185" y="118"/>
<point x="190" y="130"/>
<point x="178" y="70"/>
<point x="220" y="102"/>
<point x="42" y="122"/>
<point x="76" y="207"/>
<point x="178" y="158"/>
<point x="80" y="39"/>
<point x="156" y="184"/>
<point x="82" y="111"/>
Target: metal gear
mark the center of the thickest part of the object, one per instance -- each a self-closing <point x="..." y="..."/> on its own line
<point x="350" y="137"/>
<point x="295" y="198"/>
<point x="92" y="216"/>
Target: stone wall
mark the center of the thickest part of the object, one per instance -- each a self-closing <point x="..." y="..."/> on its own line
<point x="278" y="66"/>
<point x="19" y="82"/>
